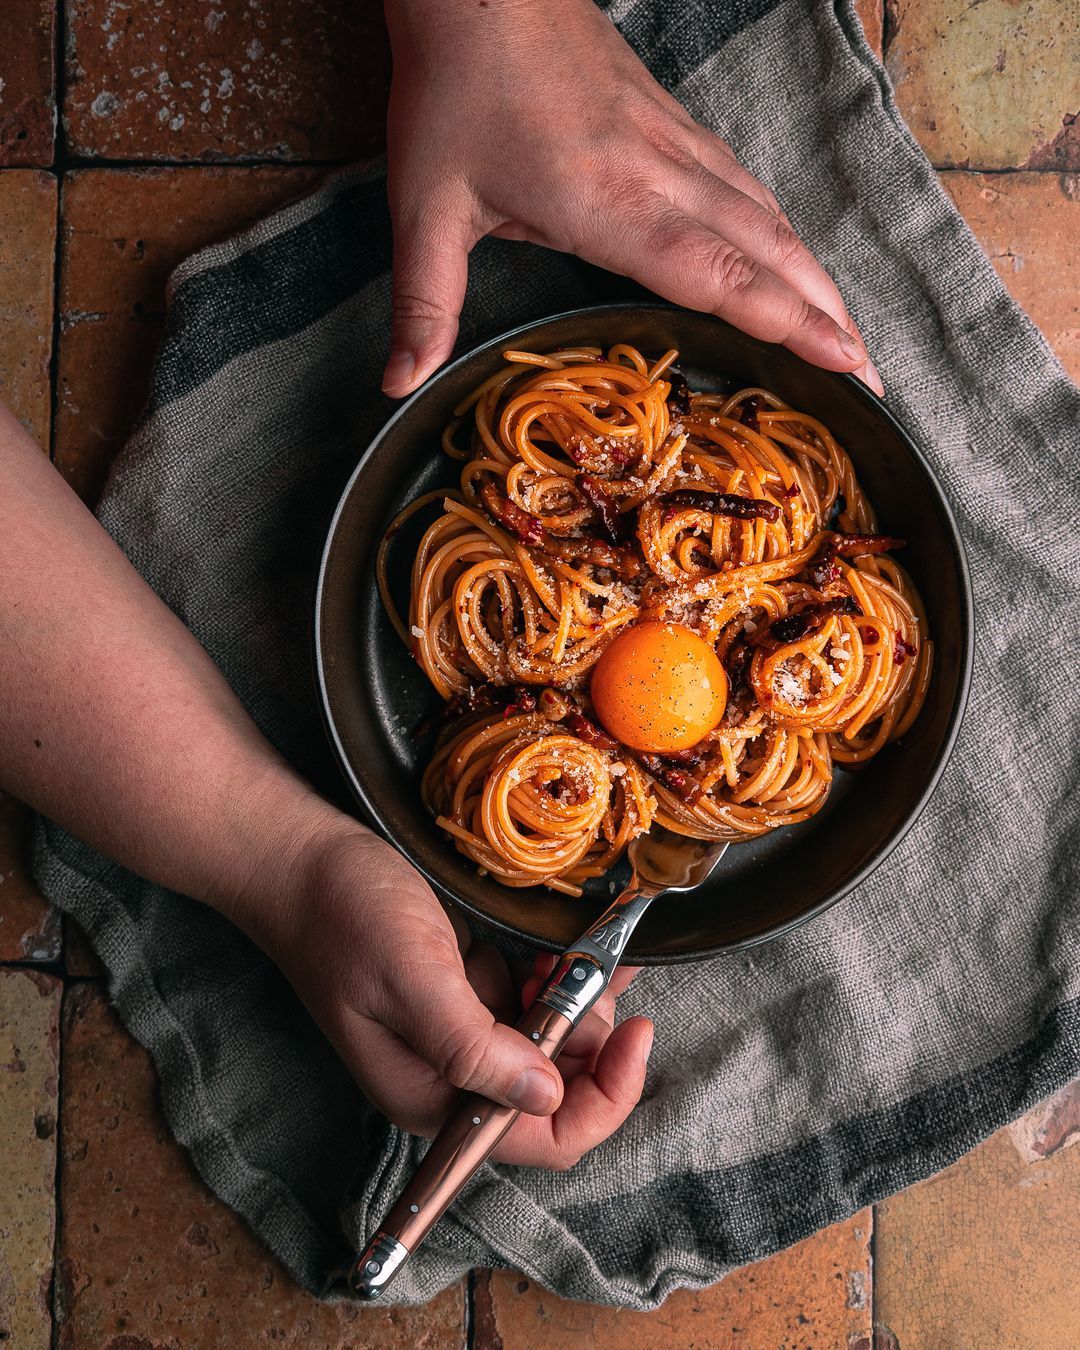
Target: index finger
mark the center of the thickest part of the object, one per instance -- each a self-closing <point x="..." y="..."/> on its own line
<point x="727" y="209"/>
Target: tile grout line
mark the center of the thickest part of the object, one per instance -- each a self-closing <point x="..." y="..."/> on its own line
<point x="57" y="169"/>
<point x="872" y="1253"/>
<point x="77" y="161"/>
<point x="54" y="1338"/>
<point x="1002" y="172"/>
<point x="64" y="162"/>
<point x="889" y="30"/>
<point x="54" y="355"/>
<point x="470" y="1310"/>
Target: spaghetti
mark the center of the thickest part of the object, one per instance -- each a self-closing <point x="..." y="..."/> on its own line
<point x="597" y="494"/>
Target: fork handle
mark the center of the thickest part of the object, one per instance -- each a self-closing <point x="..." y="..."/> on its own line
<point x="473" y="1128"/>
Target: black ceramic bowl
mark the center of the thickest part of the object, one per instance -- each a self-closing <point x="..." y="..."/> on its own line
<point x="374" y="695"/>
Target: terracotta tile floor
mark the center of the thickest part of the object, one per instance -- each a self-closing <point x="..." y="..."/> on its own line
<point x="179" y="122"/>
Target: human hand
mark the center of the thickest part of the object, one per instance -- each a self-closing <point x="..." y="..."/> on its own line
<point x="377" y="961"/>
<point x="534" y="120"/>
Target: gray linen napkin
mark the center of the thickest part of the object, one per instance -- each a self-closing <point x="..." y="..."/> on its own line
<point x="836" y="1064"/>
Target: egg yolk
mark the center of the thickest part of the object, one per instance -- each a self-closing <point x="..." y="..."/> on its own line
<point x="659" y="687"/>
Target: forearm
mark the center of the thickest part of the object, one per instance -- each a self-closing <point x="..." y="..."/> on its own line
<point x="115" y="722"/>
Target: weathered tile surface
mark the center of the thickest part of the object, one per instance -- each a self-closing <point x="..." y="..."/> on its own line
<point x="991" y="84"/>
<point x="27" y="97"/>
<point x="27" y="251"/>
<point x="816" y="1294"/>
<point x="148" y="1257"/>
<point x="1029" y="224"/>
<point x="227" y="79"/>
<point x="1053" y="1124"/>
<point x="984" y="1255"/>
<point x="123" y="233"/>
<point x="29" y="928"/>
<point x="29" y="1054"/>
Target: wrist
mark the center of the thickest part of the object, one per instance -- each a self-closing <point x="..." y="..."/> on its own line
<point x="285" y="828"/>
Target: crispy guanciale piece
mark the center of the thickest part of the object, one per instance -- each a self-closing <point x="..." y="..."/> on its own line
<point x="529" y="531"/>
<point x="851" y="545"/>
<point x="603" y="504"/>
<point x="685" y="759"/>
<point x="621" y="561"/>
<point x="683" y="784"/>
<point x="720" y="504"/>
<point x="823" y="568"/>
<point x="794" y="627"/>
<point x="587" y="731"/>
<point x="504" y="512"/>
<point x="748" y="413"/>
<point x="678" y="400"/>
<point x="737" y="663"/>
<point x="514" y="698"/>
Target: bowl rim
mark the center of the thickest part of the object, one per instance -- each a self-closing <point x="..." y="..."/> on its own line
<point x="892" y="841"/>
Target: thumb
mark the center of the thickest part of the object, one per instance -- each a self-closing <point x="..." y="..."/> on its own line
<point x="437" y="1012"/>
<point x="431" y="268"/>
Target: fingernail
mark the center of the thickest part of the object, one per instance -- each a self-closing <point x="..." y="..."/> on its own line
<point x="647" y="1051"/>
<point x="399" y="370"/>
<point x="874" y="379"/>
<point x="853" y="348"/>
<point x="534" y="1093"/>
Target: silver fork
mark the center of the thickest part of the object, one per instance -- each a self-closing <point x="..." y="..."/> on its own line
<point x="662" y="861"/>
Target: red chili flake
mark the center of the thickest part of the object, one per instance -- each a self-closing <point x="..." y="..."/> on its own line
<point x="621" y="454"/>
<point x="792" y="491"/>
<point x="902" y="649"/>
<point x="870" y="635"/>
<point x="524" y="702"/>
